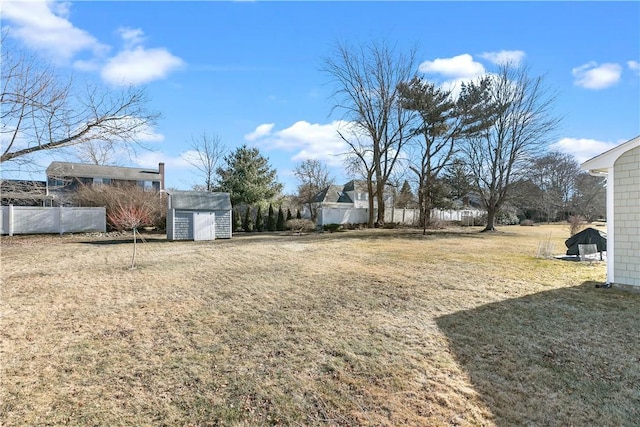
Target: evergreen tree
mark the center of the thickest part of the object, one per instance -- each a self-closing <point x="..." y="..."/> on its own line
<point x="248" y="220"/>
<point x="280" y="223"/>
<point x="405" y="198"/>
<point x="271" y="220"/>
<point x="248" y="177"/>
<point x="259" y="220"/>
<point x="289" y="216"/>
<point x="236" y="223"/>
<point x="298" y="215"/>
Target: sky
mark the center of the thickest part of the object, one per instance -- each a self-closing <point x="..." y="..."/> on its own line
<point x="250" y="72"/>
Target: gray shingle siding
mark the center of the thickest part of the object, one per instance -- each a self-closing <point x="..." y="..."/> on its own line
<point x="223" y="224"/>
<point x="183" y="204"/>
<point x="627" y="218"/>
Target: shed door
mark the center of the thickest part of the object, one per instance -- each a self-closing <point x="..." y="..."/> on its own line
<point x="204" y="226"/>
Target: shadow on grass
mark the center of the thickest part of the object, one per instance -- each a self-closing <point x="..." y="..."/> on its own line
<point x="155" y="239"/>
<point x="568" y="356"/>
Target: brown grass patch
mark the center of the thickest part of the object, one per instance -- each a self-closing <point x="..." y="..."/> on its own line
<point x="367" y="327"/>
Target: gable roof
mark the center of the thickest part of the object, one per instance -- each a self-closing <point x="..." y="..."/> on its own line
<point x="82" y="170"/>
<point x="332" y="194"/>
<point x="604" y="161"/>
<point x="199" y="200"/>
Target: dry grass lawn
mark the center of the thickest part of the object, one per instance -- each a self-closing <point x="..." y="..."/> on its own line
<point x="370" y="327"/>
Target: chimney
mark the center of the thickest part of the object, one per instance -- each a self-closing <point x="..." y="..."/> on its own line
<point x="161" y="173"/>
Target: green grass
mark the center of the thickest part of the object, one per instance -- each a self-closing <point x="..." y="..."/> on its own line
<point x="368" y="327"/>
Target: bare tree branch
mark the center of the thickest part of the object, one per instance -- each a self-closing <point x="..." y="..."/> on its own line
<point x="42" y="110"/>
<point x="206" y="153"/>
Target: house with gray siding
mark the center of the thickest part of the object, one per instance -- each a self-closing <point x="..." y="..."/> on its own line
<point x="198" y="215"/>
<point x="66" y="176"/>
<point x="621" y="166"/>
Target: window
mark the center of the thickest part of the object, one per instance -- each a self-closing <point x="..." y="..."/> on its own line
<point x="101" y="181"/>
<point x="145" y="185"/>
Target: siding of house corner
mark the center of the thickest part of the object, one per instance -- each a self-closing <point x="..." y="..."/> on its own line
<point x="627" y="218"/>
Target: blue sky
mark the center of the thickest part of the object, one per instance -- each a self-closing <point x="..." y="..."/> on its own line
<point x="250" y="72"/>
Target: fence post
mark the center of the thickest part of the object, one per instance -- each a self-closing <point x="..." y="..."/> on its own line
<point x="10" y="215"/>
<point x="60" y="219"/>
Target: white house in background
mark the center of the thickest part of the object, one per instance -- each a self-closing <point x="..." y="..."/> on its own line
<point x="621" y="166"/>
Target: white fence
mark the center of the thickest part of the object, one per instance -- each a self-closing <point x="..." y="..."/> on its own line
<point x="403" y="216"/>
<point x="58" y="220"/>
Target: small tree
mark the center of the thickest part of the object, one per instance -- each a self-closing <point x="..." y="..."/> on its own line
<point x="237" y="220"/>
<point x="247" y="225"/>
<point x="130" y="217"/>
<point x="289" y="216"/>
<point x="298" y="214"/>
<point x="271" y="220"/>
<point x="280" y="224"/>
<point x="259" y="220"/>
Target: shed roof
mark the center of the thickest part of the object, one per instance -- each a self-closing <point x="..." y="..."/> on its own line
<point x="604" y="161"/>
<point x="199" y="200"/>
<point x="82" y="170"/>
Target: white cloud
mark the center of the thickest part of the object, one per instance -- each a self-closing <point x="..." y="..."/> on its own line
<point x="44" y="26"/>
<point x="634" y="66"/>
<point x="260" y="132"/>
<point x="139" y="65"/>
<point x="131" y="36"/>
<point x="582" y="149"/>
<point x="594" y="76"/>
<point x="308" y="141"/>
<point x="461" y="66"/>
<point x="504" y="57"/>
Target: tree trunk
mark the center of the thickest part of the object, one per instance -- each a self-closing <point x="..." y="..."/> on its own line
<point x="491" y="217"/>
<point x="371" y="199"/>
<point x="380" y="200"/>
<point x="133" y="258"/>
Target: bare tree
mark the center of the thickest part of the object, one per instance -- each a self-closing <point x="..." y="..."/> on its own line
<point x="206" y="153"/>
<point x="366" y="80"/>
<point x="312" y="177"/>
<point x="41" y="110"/>
<point x="555" y="175"/>
<point x="523" y="123"/>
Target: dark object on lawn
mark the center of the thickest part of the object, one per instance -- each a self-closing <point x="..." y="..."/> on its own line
<point x="588" y="236"/>
<point x="605" y="285"/>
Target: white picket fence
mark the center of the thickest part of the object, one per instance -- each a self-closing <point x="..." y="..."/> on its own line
<point x="46" y="220"/>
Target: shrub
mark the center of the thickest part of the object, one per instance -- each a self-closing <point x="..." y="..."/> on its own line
<point x="298" y="214"/>
<point x="247" y="225"/>
<point x="119" y="198"/>
<point x="271" y="220"/>
<point x="280" y="223"/>
<point x="237" y="220"/>
<point x="259" y="220"/>
<point x="507" y="218"/>
<point x="527" y="222"/>
<point x="332" y="227"/>
<point x="289" y="216"/>
<point x="576" y="224"/>
<point x="301" y="225"/>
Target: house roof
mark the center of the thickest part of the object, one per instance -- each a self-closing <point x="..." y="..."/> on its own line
<point x="600" y="164"/>
<point x="81" y="170"/>
<point x="199" y="200"/>
<point x="332" y="194"/>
